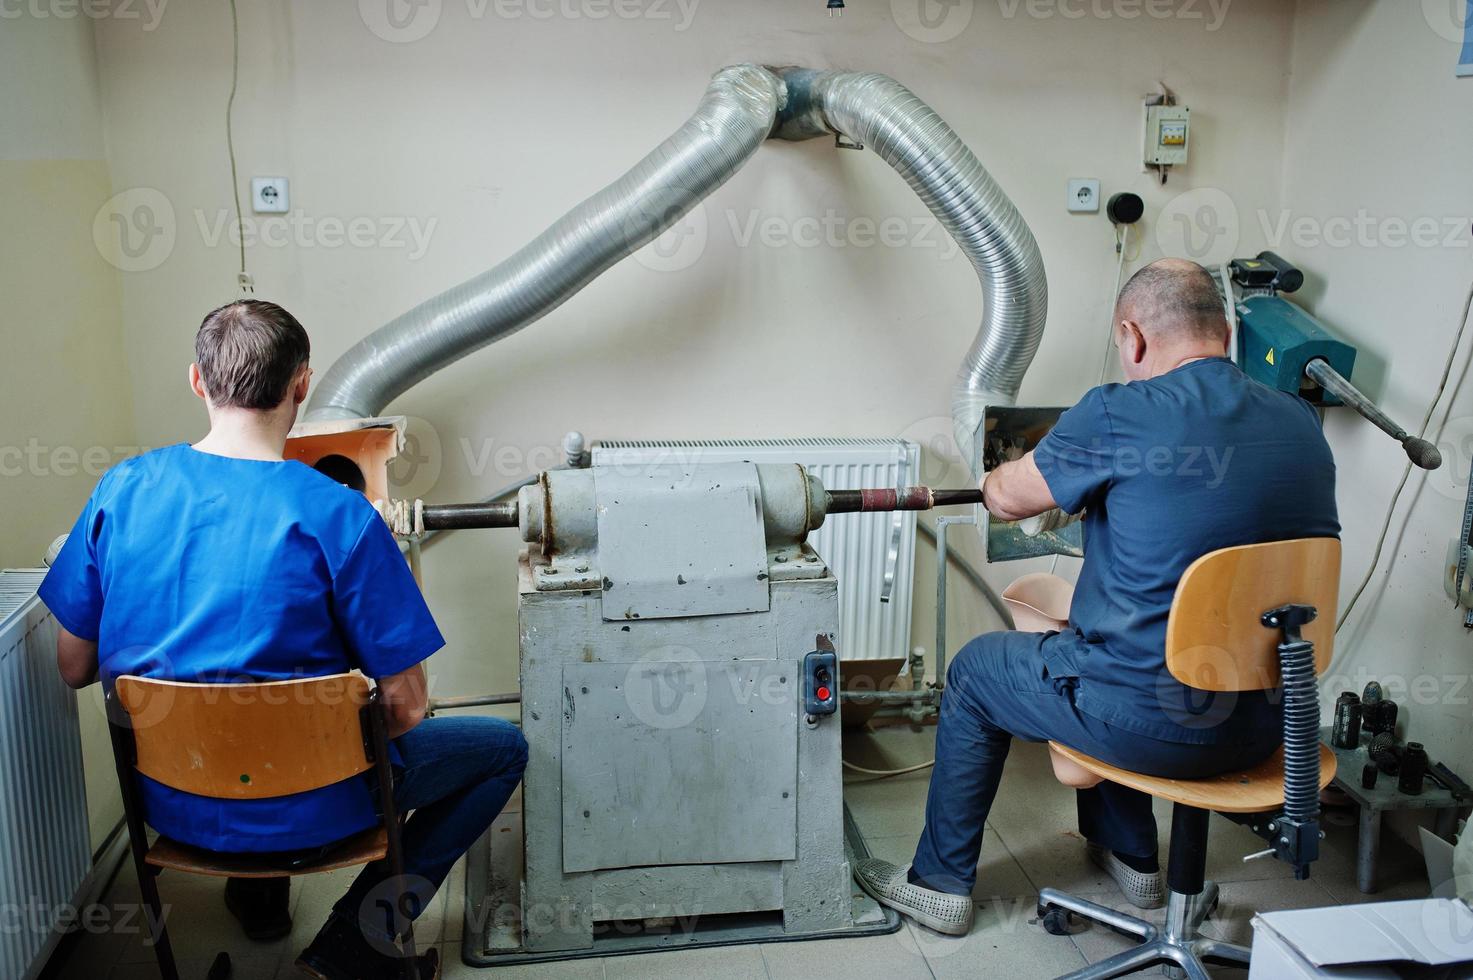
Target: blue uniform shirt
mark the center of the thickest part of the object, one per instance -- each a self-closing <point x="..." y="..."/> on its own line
<point x="1167" y="470"/>
<point x="193" y="567"/>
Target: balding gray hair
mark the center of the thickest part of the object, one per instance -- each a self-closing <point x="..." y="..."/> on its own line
<point x="1174" y="296"/>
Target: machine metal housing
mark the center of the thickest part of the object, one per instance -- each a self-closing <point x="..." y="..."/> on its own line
<point x="665" y="618"/>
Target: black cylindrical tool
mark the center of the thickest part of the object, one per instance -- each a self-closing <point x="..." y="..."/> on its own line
<point x="1368" y="776"/>
<point x="1413" y="769"/>
<point x="1382" y="720"/>
<point x="1346" y="733"/>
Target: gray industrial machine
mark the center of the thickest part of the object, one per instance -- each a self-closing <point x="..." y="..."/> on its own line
<point x="666" y="616"/>
<point x="680" y="690"/>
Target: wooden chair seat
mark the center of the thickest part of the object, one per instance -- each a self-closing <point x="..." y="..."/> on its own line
<point x="371" y="845"/>
<point x="1247" y="791"/>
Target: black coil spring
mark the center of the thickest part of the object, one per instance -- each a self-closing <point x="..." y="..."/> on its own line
<point x="1301" y="731"/>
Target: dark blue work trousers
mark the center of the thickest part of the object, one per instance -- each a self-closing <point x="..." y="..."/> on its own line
<point x="996" y="688"/>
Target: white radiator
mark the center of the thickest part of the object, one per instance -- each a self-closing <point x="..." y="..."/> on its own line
<point x="45" y="845"/>
<point x="873" y="555"/>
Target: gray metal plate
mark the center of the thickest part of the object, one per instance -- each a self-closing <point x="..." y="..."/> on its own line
<point x="681" y="541"/>
<point x="649" y="752"/>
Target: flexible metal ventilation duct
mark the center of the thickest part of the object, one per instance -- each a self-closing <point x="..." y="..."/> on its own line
<point x="734" y="117"/>
<point x="742" y="106"/>
<point x="880" y="113"/>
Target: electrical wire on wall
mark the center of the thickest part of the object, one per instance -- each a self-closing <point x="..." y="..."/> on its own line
<point x="1406" y="473"/>
<point x="1122" y="248"/>
<point x="243" y="280"/>
<point x="1122" y="245"/>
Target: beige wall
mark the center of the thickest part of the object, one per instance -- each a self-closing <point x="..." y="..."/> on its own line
<point x="1378" y="124"/>
<point x="66" y="399"/>
<point x="67" y="407"/>
<point x="486" y="129"/>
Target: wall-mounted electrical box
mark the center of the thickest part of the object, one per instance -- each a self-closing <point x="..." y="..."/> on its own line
<point x="1168" y="131"/>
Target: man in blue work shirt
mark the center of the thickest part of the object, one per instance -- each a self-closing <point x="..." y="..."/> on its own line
<point x="219" y="562"/>
<point x="1188" y="457"/>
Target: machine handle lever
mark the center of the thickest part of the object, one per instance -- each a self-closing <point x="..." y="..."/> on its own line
<point x="1418" y="450"/>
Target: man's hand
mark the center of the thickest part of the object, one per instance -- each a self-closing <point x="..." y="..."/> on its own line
<point x="406" y="698"/>
<point x="1016" y="490"/>
<point x="76" y="658"/>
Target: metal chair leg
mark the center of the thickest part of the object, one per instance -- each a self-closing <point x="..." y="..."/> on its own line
<point x="1214" y="949"/>
<point x="120" y="732"/>
<point x="1120" y="964"/>
<point x="1119" y="921"/>
<point x="163" y="950"/>
<point x="1177" y="946"/>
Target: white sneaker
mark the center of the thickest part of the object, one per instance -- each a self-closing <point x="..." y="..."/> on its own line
<point x="1144" y="891"/>
<point x="886" y="883"/>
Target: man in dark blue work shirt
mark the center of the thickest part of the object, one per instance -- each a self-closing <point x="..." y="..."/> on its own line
<point x="1188" y="457"/>
<point x="220" y="562"/>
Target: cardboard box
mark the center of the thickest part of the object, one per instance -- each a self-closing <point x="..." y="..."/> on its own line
<point x="1393" y="940"/>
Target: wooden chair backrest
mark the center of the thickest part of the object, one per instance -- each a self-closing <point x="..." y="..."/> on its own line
<point x="1214" y="638"/>
<point x="247" y="741"/>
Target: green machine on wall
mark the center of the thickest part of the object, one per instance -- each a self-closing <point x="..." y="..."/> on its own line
<point x="1285" y="348"/>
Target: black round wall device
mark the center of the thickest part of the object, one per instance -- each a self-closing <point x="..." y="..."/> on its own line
<point x="1125" y="208"/>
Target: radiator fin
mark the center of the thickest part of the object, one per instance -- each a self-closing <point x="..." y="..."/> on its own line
<point x="45" y="844"/>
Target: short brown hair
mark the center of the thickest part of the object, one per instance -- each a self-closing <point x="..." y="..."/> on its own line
<point x="247" y="352"/>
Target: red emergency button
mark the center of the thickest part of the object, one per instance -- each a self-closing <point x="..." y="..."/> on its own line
<point x="823" y="693"/>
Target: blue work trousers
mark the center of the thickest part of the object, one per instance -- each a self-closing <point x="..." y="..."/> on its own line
<point x="997" y="688"/>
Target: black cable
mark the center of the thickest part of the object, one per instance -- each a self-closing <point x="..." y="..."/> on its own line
<point x="245" y="279"/>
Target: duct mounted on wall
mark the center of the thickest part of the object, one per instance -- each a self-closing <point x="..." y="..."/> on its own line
<point x="743" y="106"/>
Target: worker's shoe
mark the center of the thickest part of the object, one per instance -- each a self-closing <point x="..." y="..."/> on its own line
<point x="261" y="905"/>
<point x="340" y="952"/>
<point x="1143" y="889"/>
<point x="889" y="885"/>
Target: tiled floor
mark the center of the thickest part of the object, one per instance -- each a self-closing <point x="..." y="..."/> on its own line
<point x="1031" y="842"/>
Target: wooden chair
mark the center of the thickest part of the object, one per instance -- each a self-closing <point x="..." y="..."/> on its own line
<point x="1243" y="619"/>
<point x="245" y="742"/>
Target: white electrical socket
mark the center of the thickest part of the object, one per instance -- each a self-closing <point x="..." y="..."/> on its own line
<point x="1084" y="194"/>
<point x="269" y="195"/>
